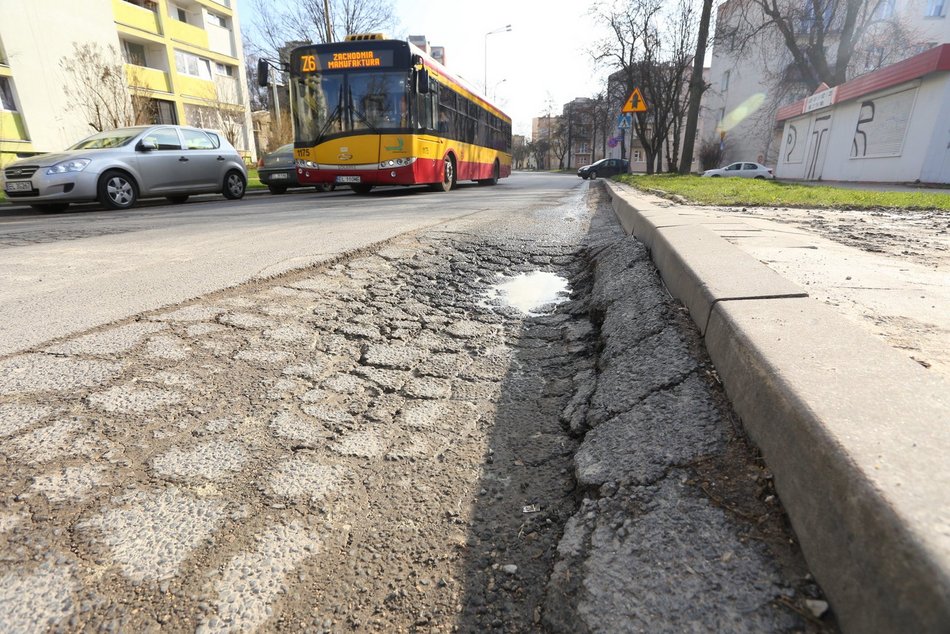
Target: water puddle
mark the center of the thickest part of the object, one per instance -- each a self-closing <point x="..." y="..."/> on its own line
<point x="531" y="293"/>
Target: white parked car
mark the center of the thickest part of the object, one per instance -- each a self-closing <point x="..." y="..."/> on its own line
<point x="742" y="169"/>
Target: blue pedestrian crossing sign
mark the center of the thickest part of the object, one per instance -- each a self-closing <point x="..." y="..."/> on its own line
<point x="625" y="121"/>
<point x="635" y="103"/>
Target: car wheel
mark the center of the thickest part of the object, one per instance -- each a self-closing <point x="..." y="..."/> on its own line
<point x="716" y="176"/>
<point x="234" y="185"/>
<point x="117" y="190"/>
<point x="448" y="175"/>
<point x="592" y="176"/>
<point x="277" y="189"/>
<point x="760" y="178"/>
<point x="495" y="172"/>
<point x="362" y="189"/>
<point x="177" y="200"/>
<point x="50" y="208"/>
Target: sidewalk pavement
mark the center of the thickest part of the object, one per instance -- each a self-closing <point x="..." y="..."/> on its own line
<point x="856" y="433"/>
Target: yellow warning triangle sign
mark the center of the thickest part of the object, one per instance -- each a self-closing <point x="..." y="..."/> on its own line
<point x="635" y="103"/>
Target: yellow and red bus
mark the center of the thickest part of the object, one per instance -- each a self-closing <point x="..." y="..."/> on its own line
<point x="370" y="112"/>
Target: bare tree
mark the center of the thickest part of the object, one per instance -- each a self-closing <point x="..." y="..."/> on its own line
<point x="97" y="84"/>
<point x="697" y="86"/>
<point x="540" y="148"/>
<point x="307" y="21"/>
<point x="559" y="141"/>
<point x="520" y="154"/>
<point x="827" y="40"/>
<point x="652" y="43"/>
<point x="602" y="120"/>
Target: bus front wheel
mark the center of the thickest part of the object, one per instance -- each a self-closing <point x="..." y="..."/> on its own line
<point x="448" y="175"/>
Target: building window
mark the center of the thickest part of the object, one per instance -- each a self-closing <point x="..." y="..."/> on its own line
<point x="217" y="20"/>
<point x="145" y="4"/>
<point x="725" y="81"/>
<point x="885" y="10"/>
<point x="188" y="64"/>
<point x="224" y="69"/>
<point x="6" y="95"/>
<point x="636" y="156"/>
<point x="935" y="8"/>
<point x="133" y="53"/>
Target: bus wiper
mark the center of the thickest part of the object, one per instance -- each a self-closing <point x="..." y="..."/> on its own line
<point x="336" y="112"/>
<point x="359" y="114"/>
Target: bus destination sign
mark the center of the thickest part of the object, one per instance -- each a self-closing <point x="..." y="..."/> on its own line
<point x="345" y="60"/>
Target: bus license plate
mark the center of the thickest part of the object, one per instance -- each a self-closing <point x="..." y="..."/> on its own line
<point x="347" y="179"/>
<point x="20" y="187"/>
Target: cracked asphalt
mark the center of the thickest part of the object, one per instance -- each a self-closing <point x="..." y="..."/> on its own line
<point x="383" y="444"/>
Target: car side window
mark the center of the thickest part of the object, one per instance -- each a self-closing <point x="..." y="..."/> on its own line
<point x="164" y="138"/>
<point x="750" y="166"/>
<point x="735" y="166"/>
<point x="196" y="140"/>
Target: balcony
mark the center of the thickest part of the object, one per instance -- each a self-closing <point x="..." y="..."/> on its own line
<point x="187" y="33"/>
<point x="189" y="86"/>
<point x="136" y="17"/>
<point x="216" y="5"/>
<point x="11" y="127"/>
<point x="147" y="78"/>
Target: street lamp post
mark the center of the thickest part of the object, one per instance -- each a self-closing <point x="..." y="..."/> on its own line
<point x="503" y="29"/>
<point x="494" y="95"/>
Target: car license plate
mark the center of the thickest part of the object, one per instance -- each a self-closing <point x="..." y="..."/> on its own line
<point x="347" y="179"/>
<point x="278" y="176"/>
<point x="21" y="186"/>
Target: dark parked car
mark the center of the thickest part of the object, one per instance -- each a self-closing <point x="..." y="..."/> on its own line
<point x="604" y="167"/>
<point x="278" y="171"/>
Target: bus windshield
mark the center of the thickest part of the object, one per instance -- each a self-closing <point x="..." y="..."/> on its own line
<point x="328" y="104"/>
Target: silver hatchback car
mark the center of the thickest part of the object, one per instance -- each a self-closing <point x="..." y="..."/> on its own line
<point x="119" y="166"/>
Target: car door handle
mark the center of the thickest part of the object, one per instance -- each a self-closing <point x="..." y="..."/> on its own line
<point x="183" y="159"/>
<point x="221" y="158"/>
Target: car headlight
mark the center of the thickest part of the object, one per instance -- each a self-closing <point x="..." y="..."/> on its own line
<point x="72" y="165"/>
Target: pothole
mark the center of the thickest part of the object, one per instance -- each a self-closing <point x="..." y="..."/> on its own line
<point x="534" y="293"/>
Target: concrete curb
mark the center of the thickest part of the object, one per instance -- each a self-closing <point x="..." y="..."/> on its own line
<point x="855" y="434"/>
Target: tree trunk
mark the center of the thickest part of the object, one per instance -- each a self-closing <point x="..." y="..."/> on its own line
<point x="695" y="90"/>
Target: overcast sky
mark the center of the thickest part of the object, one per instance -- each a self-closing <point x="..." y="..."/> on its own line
<point x="545" y="58"/>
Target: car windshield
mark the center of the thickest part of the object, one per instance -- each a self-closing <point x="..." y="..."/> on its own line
<point x="105" y="140"/>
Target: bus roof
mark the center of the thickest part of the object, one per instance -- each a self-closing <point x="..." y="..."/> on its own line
<point x="443" y="73"/>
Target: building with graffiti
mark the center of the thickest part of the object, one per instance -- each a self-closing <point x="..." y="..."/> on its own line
<point x="891" y="125"/>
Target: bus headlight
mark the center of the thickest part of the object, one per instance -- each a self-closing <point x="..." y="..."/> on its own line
<point x="397" y="162"/>
<point x="306" y="164"/>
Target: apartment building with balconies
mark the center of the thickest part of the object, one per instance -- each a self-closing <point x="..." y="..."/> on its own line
<point x="183" y="62"/>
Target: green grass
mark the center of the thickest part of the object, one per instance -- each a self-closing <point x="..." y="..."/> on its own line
<point x="253" y="182"/>
<point x="761" y="193"/>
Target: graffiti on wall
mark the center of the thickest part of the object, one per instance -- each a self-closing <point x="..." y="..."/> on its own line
<point x="882" y="125"/>
<point x="819" y="146"/>
<point x="795" y="142"/>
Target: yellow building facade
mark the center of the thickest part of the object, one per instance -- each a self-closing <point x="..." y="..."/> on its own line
<point x="182" y="62"/>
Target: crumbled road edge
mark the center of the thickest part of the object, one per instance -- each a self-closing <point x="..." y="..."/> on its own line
<point x="377" y="445"/>
<point x="678" y="526"/>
